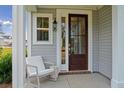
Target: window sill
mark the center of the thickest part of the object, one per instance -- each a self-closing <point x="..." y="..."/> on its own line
<point x="42" y="43"/>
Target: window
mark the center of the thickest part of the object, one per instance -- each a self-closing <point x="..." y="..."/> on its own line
<point x="42" y="28"/>
<point x="63" y="41"/>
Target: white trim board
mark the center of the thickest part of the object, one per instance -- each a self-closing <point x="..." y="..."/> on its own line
<point x="64" y="12"/>
<point x="76" y="7"/>
<point x="117" y="46"/>
<point x="29" y="35"/>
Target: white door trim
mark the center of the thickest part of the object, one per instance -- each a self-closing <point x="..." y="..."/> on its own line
<point x="65" y="12"/>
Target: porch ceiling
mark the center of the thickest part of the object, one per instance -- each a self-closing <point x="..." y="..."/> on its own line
<point x="92" y="7"/>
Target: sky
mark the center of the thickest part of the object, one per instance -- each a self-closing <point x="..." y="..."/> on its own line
<point x="6" y="19"/>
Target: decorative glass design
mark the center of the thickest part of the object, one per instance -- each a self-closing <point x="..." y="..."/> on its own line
<point x="77" y="36"/>
<point x="63" y="43"/>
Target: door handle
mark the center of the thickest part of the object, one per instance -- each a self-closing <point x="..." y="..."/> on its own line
<point x="69" y="51"/>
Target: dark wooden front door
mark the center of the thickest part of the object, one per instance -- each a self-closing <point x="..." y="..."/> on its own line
<point x="78" y="42"/>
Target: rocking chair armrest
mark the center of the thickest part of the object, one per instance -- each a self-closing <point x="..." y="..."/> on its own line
<point x="54" y="67"/>
<point x="48" y="64"/>
<point x="31" y="66"/>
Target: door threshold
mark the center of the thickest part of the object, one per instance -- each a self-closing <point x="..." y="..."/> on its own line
<point x="74" y="72"/>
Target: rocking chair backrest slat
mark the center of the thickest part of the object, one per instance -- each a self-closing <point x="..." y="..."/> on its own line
<point x="35" y="61"/>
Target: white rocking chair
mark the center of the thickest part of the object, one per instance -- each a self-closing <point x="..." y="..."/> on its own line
<point x="35" y="67"/>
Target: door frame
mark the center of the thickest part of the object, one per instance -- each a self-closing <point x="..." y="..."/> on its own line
<point x="64" y="13"/>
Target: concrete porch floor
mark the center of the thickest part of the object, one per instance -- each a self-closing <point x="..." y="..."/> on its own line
<point x="93" y="80"/>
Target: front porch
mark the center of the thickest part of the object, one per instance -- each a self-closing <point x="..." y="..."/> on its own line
<point x="93" y="80"/>
<point x="104" y="52"/>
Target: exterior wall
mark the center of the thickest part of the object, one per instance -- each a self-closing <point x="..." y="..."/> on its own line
<point x="47" y="51"/>
<point x="102" y="41"/>
<point x="95" y="42"/>
<point x="105" y="41"/>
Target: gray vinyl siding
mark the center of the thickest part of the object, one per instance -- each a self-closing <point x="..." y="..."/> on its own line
<point x="95" y="41"/>
<point x="105" y="41"/>
<point x="48" y="51"/>
<point x="102" y="41"/>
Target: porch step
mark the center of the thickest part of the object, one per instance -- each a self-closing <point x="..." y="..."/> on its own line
<point x="74" y="72"/>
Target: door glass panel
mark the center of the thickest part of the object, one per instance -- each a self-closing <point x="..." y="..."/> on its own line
<point x="77" y="35"/>
<point x="77" y="45"/>
<point x="83" y="45"/>
<point x="74" y="26"/>
<point x="63" y="43"/>
<point x="82" y="26"/>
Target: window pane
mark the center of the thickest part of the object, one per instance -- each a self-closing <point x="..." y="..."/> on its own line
<point x="42" y="22"/>
<point x="39" y="22"/>
<point x="42" y="35"/>
<point x="45" y="22"/>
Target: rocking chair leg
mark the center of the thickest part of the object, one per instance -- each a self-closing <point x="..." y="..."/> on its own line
<point x="28" y="81"/>
<point x="38" y="81"/>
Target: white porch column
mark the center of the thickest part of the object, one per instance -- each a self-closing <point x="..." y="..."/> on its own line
<point x="118" y="46"/>
<point x="18" y="45"/>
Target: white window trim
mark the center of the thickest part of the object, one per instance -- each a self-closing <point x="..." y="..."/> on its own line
<point x="50" y="16"/>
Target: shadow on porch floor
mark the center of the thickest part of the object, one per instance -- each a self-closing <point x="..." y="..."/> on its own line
<point x="93" y="80"/>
